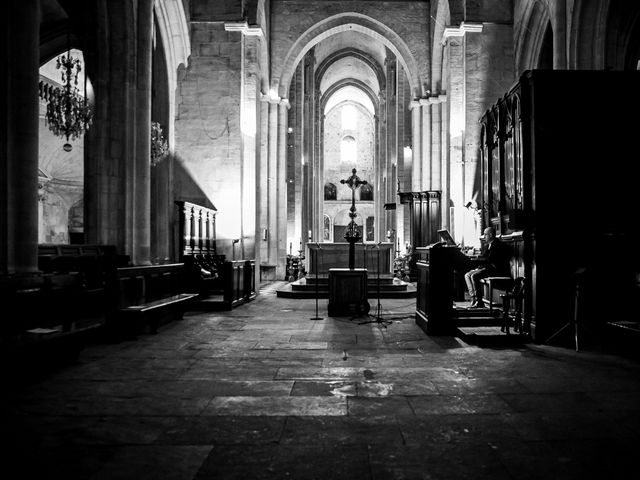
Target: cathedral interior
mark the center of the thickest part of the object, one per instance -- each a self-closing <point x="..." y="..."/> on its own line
<point x="234" y="235"/>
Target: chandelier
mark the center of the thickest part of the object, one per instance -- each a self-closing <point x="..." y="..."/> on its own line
<point x="68" y="113"/>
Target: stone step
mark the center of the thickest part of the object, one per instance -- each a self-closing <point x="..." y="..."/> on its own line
<point x="491" y="336"/>
<point x="409" y="291"/>
<point x="372" y="287"/>
<point x="384" y="279"/>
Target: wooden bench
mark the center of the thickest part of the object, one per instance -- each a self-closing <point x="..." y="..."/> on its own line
<point x="150" y="312"/>
<point x="493" y="288"/>
<point x="146" y="297"/>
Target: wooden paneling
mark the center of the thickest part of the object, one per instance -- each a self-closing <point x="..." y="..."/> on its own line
<point x="559" y="179"/>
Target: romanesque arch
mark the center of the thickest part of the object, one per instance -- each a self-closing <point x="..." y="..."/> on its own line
<point x="344" y="22"/>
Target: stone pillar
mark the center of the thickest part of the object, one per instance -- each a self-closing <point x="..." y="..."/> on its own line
<point x="445" y="165"/>
<point x="380" y="166"/>
<point x="263" y="183"/>
<point x="456" y="125"/>
<point x="436" y="138"/>
<point x="249" y="128"/>
<point x="308" y="142"/>
<point x="559" y="25"/>
<point x="272" y="179"/>
<point x="318" y="169"/>
<point x="142" y="170"/>
<point x="19" y="205"/>
<point x="391" y="132"/>
<point x="298" y="180"/>
<point x="426" y="182"/>
<point x="416" y="146"/>
<point x="281" y="248"/>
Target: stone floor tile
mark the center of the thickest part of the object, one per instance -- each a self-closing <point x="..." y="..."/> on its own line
<point x="455" y="404"/>
<point x="175" y="462"/>
<point x="551" y="402"/>
<point x="288" y="461"/>
<point x="447" y="461"/>
<point x="265" y="406"/>
<point x="224" y="430"/>
<point x="481" y="429"/>
<point x="379" y="406"/>
<point x="328" y="431"/>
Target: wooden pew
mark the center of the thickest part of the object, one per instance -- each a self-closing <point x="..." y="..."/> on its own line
<point x="146" y="297"/>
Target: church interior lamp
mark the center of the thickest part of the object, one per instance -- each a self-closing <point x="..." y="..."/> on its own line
<point x="68" y="113"/>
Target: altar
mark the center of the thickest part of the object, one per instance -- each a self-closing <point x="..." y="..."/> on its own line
<point x="336" y="255"/>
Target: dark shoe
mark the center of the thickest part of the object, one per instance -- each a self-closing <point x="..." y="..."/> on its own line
<point x="474" y="304"/>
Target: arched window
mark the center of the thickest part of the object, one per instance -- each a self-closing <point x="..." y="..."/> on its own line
<point x="330" y="191"/>
<point x="366" y="192"/>
<point x="348" y="150"/>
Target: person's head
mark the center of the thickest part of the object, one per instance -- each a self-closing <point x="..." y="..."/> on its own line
<point x="489" y="234"/>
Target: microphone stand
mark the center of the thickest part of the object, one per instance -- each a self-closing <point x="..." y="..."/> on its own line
<point x="378" y="319"/>
<point x="316" y="269"/>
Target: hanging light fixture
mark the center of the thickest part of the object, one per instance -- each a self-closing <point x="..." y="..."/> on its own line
<point x="159" y="145"/>
<point x="68" y="112"/>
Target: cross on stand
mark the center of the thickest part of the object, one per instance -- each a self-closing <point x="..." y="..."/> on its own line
<point x="352" y="235"/>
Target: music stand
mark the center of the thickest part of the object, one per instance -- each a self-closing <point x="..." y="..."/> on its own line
<point x="316" y="268"/>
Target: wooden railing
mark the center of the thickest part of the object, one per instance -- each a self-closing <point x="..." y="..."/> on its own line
<point x="196" y="229"/>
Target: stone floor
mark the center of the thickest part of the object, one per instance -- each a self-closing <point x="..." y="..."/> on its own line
<point x="264" y="392"/>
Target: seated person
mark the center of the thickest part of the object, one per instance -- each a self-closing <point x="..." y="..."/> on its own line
<point x="493" y="263"/>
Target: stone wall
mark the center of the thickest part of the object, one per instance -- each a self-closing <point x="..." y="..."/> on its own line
<point x="208" y="135"/>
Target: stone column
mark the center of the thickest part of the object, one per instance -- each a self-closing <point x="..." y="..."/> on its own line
<point x="426" y="182"/>
<point x="272" y="179"/>
<point x="456" y="125"/>
<point x="318" y="169"/>
<point x="559" y="24"/>
<point x="391" y="132"/>
<point x="445" y="166"/>
<point x="263" y="183"/>
<point x="20" y="152"/>
<point x="416" y="146"/>
<point x="250" y="72"/>
<point x="436" y="138"/>
<point x="298" y="180"/>
<point x="308" y="142"/>
<point x="281" y="248"/>
<point x="142" y="169"/>
<point x="380" y="167"/>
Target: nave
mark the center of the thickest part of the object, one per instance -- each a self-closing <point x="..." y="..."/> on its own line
<point x="262" y="391"/>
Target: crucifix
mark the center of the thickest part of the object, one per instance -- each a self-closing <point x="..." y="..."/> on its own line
<point x="352" y="235"/>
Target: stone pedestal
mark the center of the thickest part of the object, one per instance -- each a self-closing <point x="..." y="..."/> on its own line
<point x="347" y="292"/>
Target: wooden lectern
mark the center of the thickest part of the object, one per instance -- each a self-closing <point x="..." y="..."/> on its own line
<point x="348" y="292"/>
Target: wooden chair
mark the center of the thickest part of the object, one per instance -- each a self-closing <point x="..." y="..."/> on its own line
<point x="512" y="307"/>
